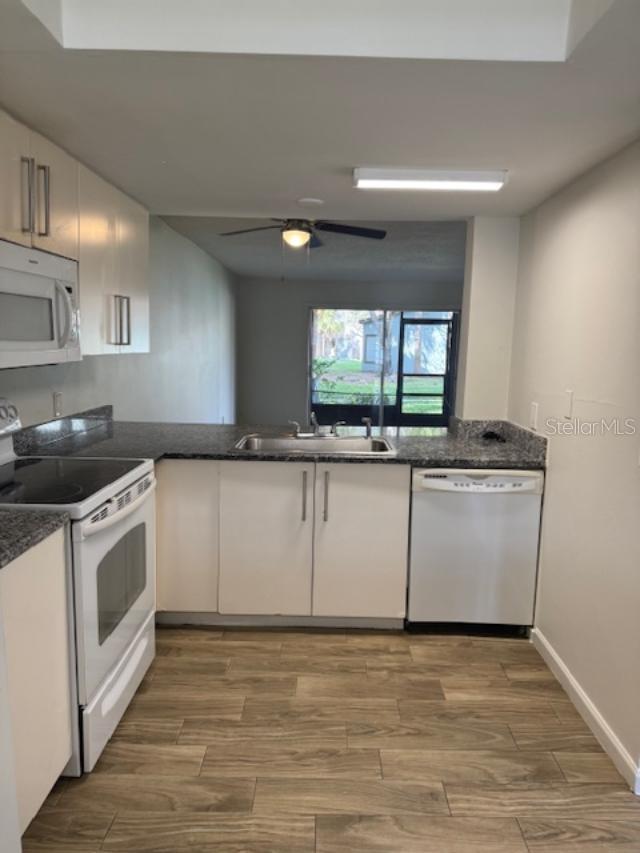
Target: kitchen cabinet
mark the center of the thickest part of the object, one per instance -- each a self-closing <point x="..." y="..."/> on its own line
<point x="266" y="537"/>
<point x="113" y="269"/>
<point x="361" y="540"/>
<point x="304" y="539"/>
<point x="14" y="164"/>
<point x="55" y="198"/>
<point x="38" y="191"/>
<point x="187" y="510"/>
<point x="34" y="618"/>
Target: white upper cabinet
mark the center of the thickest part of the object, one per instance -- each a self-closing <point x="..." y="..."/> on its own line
<point x="15" y="173"/>
<point x="55" y="198"/>
<point x="38" y="191"/>
<point x="266" y="537"/>
<point x="113" y="269"/>
<point x="361" y="540"/>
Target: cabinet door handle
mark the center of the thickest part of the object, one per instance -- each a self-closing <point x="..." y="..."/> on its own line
<point x="125" y="320"/>
<point x="325" y="511"/>
<point x="45" y="171"/>
<point x="304" y="495"/>
<point x="28" y="221"/>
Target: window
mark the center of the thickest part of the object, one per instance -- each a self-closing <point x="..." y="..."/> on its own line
<point x="396" y="367"/>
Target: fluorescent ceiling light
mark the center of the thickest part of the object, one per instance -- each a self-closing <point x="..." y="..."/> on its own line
<point x="428" y="179"/>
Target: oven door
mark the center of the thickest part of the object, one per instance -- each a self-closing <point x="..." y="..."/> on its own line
<point x="114" y="578"/>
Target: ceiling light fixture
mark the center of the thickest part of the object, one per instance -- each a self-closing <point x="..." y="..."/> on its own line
<point x="296" y="235"/>
<point x="428" y="179"/>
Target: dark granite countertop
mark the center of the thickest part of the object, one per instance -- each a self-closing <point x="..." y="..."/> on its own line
<point x="22" y="529"/>
<point x="438" y="448"/>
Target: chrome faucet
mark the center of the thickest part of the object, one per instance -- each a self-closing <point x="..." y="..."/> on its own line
<point x="296" y="427"/>
<point x="334" y="428"/>
<point x="314" y="423"/>
<point x="367" y="422"/>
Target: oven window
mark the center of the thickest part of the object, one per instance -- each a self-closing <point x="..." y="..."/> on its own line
<point x="122" y="576"/>
<point x="25" y="318"/>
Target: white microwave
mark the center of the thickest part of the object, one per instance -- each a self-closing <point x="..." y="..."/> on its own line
<point x="39" y="318"/>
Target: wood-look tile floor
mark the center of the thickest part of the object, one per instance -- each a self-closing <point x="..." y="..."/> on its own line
<point x="344" y="742"/>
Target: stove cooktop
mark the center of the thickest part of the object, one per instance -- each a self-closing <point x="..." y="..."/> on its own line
<point x="59" y="481"/>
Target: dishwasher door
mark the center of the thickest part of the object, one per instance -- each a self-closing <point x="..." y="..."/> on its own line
<point x="474" y="546"/>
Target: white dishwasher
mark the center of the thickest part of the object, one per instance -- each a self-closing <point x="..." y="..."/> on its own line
<point x="474" y="546"/>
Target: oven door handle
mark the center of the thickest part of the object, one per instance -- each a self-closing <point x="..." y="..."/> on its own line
<point x="111" y="520"/>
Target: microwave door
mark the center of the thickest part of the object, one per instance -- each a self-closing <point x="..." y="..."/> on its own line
<point x="35" y="318"/>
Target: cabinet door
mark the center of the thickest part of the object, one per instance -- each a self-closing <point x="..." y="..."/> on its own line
<point x="14" y="197"/>
<point x="33" y="591"/>
<point x="361" y="540"/>
<point x="132" y="275"/>
<point x="56" y="198"/>
<point x="187" y="509"/>
<point x="98" y="206"/>
<point x="266" y="537"/>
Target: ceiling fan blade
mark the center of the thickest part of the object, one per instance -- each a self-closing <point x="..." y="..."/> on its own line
<point x="352" y="230"/>
<point x="249" y="230"/>
<point x="315" y="242"/>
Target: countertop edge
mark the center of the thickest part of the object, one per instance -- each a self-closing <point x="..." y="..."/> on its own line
<point x="28" y="528"/>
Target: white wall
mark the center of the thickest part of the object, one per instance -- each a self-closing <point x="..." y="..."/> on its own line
<point x="488" y="305"/>
<point x="189" y="374"/>
<point x="578" y="327"/>
<point x="273" y="334"/>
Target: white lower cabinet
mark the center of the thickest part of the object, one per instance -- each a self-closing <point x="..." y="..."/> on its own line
<point x="303" y="539"/>
<point x="34" y="620"/>
<point x="187" y="510"/>
<point x="266" y="537"/>
<point x="361" y="540"/>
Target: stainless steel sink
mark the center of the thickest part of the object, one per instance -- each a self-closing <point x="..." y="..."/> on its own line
<point x="317" y="444"/>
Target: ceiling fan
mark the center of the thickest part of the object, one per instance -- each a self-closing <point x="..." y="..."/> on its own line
<point x="301" y="232"/>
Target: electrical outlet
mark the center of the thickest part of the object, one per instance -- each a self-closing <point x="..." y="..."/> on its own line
<point x="57" y="404"/>
<point x="533" y="416"/>
<point x="568" y="412"/>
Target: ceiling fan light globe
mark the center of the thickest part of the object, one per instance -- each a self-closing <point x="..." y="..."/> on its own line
<point x="296" y="238"/>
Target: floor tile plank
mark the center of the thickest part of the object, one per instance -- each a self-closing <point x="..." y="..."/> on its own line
<point x="430" y="734"/>
<point x="416" y="834"/>
<point x="613" y="802"/>
<point x="345" y="796"/>
<point x="370" y="686"/>
<point x="116" y="792"/>
<point x="581" y="836"/>
<point x="554" y="737"/>
<point x="506" y="712"/>
<point x="500" y="767"/>
<point x="148" y="731"/>
<point x="185" y="703"/>
<point x="302" y="735"/>
<point x="242" y="761"/>
<point x="587" y="767"/>
<point x="205" y="833"/>
<point x="339" y="710"/>
<point x="473" y="690"/>
<point x="62" y="831"/>
<point x="152" y="759"/>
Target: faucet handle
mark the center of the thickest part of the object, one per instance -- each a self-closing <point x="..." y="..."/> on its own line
<point x="334" y="428"/>
<point x="367" y="422"/>
<point x="296" y="427"/>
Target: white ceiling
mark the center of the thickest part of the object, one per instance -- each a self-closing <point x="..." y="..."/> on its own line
<point x="246" y="136"/>
<point x="535" y="30"/>
<point x="411" y="251"/>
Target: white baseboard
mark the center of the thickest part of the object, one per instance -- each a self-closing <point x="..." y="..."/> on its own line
<point x="589" y="712"/>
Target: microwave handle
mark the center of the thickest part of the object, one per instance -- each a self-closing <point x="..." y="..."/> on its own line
<point x="68" y="313"/>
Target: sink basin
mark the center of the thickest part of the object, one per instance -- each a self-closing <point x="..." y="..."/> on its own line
<point x="330" y="444"/>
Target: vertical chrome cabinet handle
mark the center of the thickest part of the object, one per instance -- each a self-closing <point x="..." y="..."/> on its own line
<point x="28" y="221"/>
<point x="116" y="322"/>
<point x="325" y="511"/>
<point x="45" y="171"/>
<point x="304" y="495"/>
<point x="125" y="320"/>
